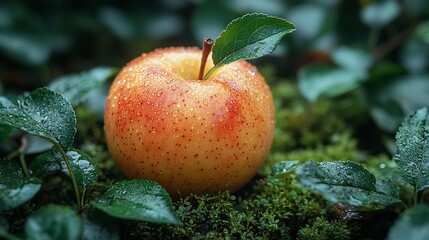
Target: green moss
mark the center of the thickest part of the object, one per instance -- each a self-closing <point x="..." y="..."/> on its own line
<point x="302" y="124"/>
<point x="323" y="229"/>
<point x="274" y="208"/>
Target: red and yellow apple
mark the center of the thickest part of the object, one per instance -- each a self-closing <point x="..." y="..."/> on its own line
<point x="189" y="135"/>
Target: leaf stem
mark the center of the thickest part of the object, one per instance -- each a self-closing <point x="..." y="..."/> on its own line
<point x="373" y="37"/>
<point x="210" y="72"/>
<point x="207" y="48"/>
<point x="22" y="150"/>
<point x="415" y="196"/>
<point x="73" y="179"/>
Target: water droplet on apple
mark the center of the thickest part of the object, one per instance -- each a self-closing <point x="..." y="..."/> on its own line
<point x="146" y="83"/>
<point x="191" y="109"/>
<point x="175" y="113"/>
<point x="227" y="109"/>
<point x="178" y="105"/>
<point x="252" y="73"/>
<point x="159" y="93"/>
<point x="205" y="102"/>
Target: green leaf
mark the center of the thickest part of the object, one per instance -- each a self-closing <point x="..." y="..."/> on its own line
<point x="312" y="19"/>
<point x="410" y="92"/>
<point x="138" y="199"/>
<point x="388" y="187"/>
<point x="379" y="14"/>
<point x="15" y="189"/>
<point x="43" y="113"/>
<point x="422" y="32"/>
<point x="248" y="37"/>
<point x="117" y="22"/>
<point x="283" y="167"/>
<point x="54" y="222"/>
<point x="317" y="81"/>
<point x="23" y="37"/>
<point x="84" y="169"/>
<point x="98" y="225"/>
<point x="353" y="59"/>
<point x="387" y="113"/>
<point x="347" y="183"/>
<point x="37" y="145"/>
<point x="76" y="87"/>
<point x="413" y="224"/>
<point x="414" y="56"/>
<point x="412" y="154"/>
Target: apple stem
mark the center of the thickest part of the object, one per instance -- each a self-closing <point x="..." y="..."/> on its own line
<point x="207" y="48"/>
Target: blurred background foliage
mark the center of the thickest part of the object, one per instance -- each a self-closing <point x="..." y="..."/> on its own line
<point x="363" y="62"/>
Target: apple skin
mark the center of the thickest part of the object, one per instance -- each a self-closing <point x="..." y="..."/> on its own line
<point x="189" y="135"/>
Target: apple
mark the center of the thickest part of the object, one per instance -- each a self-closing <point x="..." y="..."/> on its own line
<point x="191" y="136"/>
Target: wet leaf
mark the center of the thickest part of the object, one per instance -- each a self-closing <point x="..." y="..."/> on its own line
<point x="412" y="155"/>
<point x="317" y="81"/>
<point x="413" y="224"/>
<point x="283" y="167"/>
<point x="388" y="187"/>
<point x="54" y="222"/>
<point x="248" y="37"/>
<point x="43" y="113"/>
<point x="99" y="226"/>
<point x="379" y="14"/>
<point x="348" y="183"/>
<point x="138" y="199"/>
<point x="76" y="87"/>
<point x="15" y="189"/>
<point x="84" y="169"/>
